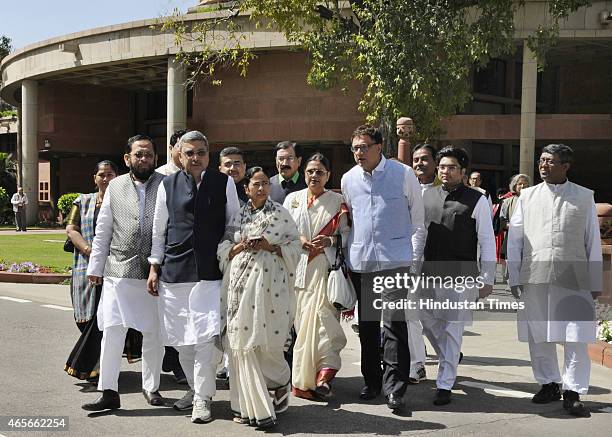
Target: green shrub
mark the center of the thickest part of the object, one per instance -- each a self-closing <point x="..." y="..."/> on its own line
<point x="64" y="203"/>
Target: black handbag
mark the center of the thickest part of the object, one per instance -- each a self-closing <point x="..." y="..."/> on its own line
<point x="69" y="246"/>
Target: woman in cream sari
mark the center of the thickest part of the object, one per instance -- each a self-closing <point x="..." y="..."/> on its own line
<point x="258" y="257"/>
<point x="320" y="215"/>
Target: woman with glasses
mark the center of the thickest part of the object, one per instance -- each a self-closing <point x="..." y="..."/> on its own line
<point x="81" y="225"/>
<point x="258" y="257"/>
<point x="321" y="215"/>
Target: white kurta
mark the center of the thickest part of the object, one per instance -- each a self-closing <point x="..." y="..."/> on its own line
<point x="545" y="304"/>
<point x="189" y="312"/>
<point x="124" y="301"/>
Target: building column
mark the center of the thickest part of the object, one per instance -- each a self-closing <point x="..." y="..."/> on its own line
<point x="29" y="147"/>
<point x="177" y="99"/>
<point x="528" y="111"/>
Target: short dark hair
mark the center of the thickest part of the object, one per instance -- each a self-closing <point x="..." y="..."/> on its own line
<point x="431" y="149"/>
<point x="111" y="164"/>
<point x="369" y="130"/>
<point x="454" y="152"/>
<point x="132" y="140"/>
<point x="231" y="151"/>
<point x="286" y="144"/>
<point x="565" y="153"/>
<point x="252" y="172"/>
<point x="176" y="136"/>
<point x="319" y="157"/>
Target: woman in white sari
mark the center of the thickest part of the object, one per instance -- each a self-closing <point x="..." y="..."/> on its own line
<point x="258" y="257"/>
<point x="320" y="215"/>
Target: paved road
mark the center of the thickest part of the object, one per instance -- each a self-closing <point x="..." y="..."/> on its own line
<point x="491" y="397"/>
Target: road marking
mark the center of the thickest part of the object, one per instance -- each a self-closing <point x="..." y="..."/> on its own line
<point x="14" y="299"/>
<point x="497" y="390"/>
<point x="57" y="307"/>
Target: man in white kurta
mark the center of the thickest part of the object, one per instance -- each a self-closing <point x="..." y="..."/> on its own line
<point x="459" y="233"/>
<point x="554" y="264"/>
<point x="189" y="282"/>
<point x="424" y="165"/>
<point x="119" y="254"/>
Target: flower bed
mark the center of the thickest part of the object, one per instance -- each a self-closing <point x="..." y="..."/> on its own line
<point x="30" y="273"/>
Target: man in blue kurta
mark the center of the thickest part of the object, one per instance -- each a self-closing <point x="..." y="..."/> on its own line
<point x="385" y="203"/>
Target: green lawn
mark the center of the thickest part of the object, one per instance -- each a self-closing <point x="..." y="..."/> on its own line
<point x="42" y="249"/>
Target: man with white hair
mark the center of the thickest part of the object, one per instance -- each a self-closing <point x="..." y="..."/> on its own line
<point x="193" y="206"/>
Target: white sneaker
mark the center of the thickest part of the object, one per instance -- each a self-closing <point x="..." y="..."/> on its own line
<point x="201" y="411"/>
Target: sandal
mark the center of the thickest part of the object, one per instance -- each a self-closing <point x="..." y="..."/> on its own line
<point x="266" y="423"/>
<point x="281" y="399"/>
<point x="323" y="390"/>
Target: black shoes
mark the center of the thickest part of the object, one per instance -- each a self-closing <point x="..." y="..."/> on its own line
<point x="548" y="393"/>
<point x="442" y="397"/>
<point x="572" y="403"/>
<point x="153" y="398"/>
<point x="395" y="401"/>
<point x="108" y="401"/>
<point x="368" y="393"/>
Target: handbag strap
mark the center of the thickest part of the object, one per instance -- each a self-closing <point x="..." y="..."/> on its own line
<point x="339" y="259"/>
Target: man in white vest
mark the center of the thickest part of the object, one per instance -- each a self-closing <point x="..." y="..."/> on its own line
<point x="555" y="268"/>
<point x="119" y="254"/>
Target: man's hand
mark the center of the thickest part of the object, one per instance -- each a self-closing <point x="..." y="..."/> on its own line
<point x="96" y="280"/>
<point x="516" y="291"/>
<point x="153" y="281"/>
<point x="485" y="290"/>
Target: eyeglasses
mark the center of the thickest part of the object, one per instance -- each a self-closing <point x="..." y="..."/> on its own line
<point x="363" y="148"/>
<point x="289" y="158"/>
<point x="230" y="164"/>
<point x="191" y="153"/>
<point x="313" y="172"/>
<point x="145" y="155"/>
<point x="543" y="161"/>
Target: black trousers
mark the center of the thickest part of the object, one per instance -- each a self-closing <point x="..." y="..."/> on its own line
<point x="389" y="373"/>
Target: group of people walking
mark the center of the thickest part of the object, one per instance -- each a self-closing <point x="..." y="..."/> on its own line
<point x="230" y="268"/>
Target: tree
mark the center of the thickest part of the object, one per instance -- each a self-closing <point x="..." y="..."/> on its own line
<point x="5" y="49"/>
<point x="411" y="57"/>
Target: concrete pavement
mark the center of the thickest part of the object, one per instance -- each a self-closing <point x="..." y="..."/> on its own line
<point x="491" y="396"/>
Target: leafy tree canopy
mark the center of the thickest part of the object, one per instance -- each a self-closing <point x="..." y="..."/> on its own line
<point x="5" y="46"/>
<point x="412" y="57"/>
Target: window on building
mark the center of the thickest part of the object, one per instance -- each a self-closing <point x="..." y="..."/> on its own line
<point x="43" y="191"/>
